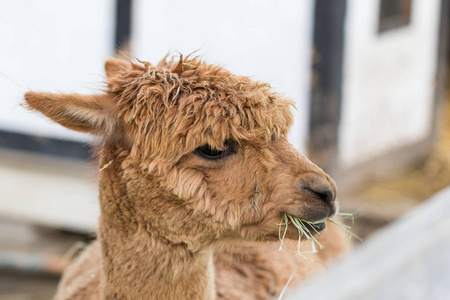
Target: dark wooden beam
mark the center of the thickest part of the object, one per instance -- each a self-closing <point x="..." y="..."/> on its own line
<point x="123" y="25"/>
<point x="44" y="145"/>
<point x="326" y="90"/>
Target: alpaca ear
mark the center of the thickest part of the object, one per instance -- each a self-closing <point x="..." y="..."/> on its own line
<point x="115" y="67"/>
<point x="85" y="113"/>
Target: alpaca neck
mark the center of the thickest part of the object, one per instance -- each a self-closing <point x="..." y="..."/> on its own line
<point x="139" y="267"/>
<point x="137" y="263"/>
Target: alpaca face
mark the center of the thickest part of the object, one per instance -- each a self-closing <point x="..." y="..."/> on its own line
<point x="206" y="155"/>
<point x="249" y="189"/>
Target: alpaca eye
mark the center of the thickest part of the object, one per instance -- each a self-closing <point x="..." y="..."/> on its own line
<point x="208" y="152"/>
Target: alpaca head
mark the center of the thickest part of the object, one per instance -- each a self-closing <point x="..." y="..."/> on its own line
<point x="204" y="154"/>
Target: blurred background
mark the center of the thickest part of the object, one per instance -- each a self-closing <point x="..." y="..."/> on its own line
<point x="369" y="79"/>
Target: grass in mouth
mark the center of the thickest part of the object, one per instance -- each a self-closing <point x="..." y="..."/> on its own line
<point x="308" y="231"/>
<point x="303" y="228"/>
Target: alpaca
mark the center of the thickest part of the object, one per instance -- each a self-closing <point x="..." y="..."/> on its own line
<point x="196" y="174"/>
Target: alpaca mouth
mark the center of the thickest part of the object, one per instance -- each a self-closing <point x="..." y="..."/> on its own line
<point x="294" y="228"/>
<point x="315" y="227"/>
<point x="316" y="217"/>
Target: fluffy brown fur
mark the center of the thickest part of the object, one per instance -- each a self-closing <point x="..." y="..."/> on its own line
<point x="173" y="224"/>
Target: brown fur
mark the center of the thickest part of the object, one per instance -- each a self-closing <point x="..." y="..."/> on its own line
<point x="175" y="225"/>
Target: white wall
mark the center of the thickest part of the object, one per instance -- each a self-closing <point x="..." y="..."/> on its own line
<point x="57" y="46"/>
<point x="60" y="46"/>
<point x="50" y="45"/>
<point x="268" y="40"/>
<point x="388" y="80"/>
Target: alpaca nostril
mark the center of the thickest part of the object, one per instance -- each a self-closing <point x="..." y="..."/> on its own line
<point x="326" y="195"/>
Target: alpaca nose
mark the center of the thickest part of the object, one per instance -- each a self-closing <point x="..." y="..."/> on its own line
<point x="325" y="194"/>
<point x="324" y="188"/>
